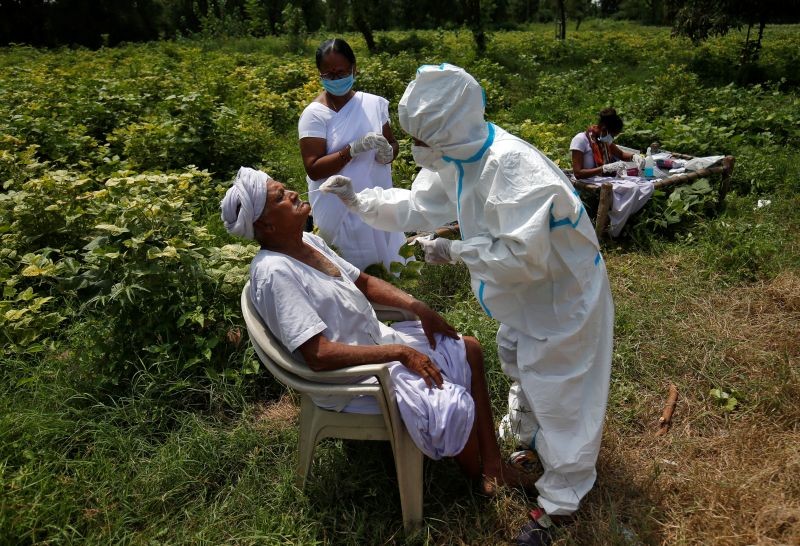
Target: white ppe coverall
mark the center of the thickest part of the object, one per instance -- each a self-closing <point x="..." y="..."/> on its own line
<point x="534" y="263"/>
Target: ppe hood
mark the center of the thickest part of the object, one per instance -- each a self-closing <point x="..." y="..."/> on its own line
<point x="443" y="107"/>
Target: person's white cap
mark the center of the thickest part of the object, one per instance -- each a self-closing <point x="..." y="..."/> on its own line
<point x="244" y="202"/>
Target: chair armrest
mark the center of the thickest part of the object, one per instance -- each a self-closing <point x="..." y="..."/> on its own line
<point x="383" y="391"/>
<point x="350" y="372"/>
<point x="388" y="312"/>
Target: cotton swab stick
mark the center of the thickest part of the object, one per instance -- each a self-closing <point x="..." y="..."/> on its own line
<point x="306" y="193"/>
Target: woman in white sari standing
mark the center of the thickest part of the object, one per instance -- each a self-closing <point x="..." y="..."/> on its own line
<point x="347" y="132"/>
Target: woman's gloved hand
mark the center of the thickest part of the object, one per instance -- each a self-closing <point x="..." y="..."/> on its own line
<point x="384" y="153"/>
<point x="370" y="141"/>
<point x="614" y="168"/>
<point x="341" y="187"/>
<point x="437" y="251"/>
<point x="639" y="160"/>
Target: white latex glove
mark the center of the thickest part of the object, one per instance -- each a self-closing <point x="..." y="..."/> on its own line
<point x="368" y="142"/>
<point x="437" y="251"/>
<point x="384" y="153"/>
<point x="639" y="160"/>
<point x="614" y="168"/>
<point x="341" y="187"/>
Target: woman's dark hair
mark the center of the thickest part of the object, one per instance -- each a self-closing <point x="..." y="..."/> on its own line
<point x="336" y="45"/>
<point x="610" y="120"/>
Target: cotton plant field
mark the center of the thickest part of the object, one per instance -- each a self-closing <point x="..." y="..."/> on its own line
<point x="133" y="411"/>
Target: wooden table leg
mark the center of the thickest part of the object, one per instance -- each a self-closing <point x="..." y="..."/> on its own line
<point x="603" y="207"/>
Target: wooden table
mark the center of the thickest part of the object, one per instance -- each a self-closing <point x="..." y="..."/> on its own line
<point x="601" y="223"/>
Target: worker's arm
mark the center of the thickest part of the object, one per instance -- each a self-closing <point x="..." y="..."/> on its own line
<point x="616" y="151"/>
<point x="528" y="200"/>
<point x="317" y="162"/>
<point x="578" y="169"/>
<point x="424" y="207"/>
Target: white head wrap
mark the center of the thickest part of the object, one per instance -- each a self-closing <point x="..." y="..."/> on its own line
<point x="443" y="107"/>
<point x="244" y="202"/>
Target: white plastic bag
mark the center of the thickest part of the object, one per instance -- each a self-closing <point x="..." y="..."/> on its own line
<point x="703" y="162"/>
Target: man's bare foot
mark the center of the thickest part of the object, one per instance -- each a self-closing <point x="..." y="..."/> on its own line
<point x="507" y="476"/>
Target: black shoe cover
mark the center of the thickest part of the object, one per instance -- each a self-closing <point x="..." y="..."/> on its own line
<point x="533" y="534"/>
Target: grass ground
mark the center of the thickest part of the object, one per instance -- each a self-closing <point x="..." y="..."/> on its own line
<point x="100" y="470"/>
<point x="712" y="306"/>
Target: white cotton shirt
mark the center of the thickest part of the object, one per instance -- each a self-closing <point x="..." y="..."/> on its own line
<point x="357" y="242"/>
<point x="580" y="142"/>
<point x="297" y="302"/>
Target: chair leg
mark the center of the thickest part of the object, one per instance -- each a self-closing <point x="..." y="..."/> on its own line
<point x="306" y="442"/>
<point x="408" y="462"/>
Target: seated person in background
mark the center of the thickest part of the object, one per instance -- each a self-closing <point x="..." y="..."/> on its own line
<point x="594" y="152"/>
<point x="317" y="305"/>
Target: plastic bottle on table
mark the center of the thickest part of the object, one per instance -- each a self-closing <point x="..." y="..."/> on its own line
<point x="649" y="164"/>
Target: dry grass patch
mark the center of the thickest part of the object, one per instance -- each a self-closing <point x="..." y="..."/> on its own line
<point x="757" y="329"/>
<point x="719" y="476"/>
<point x="737" y="487"/>
<point x="276" y="415"/>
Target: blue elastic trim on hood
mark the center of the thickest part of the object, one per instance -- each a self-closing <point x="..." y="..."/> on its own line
<point x="480" y="299"/>
<point x="459" y="164"/>
<point x="440" y="67"/>
<point x="479" y="154"/>
<point x="597" y="259"/>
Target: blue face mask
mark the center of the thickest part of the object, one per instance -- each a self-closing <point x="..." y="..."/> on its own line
<point x="339" y="87"/>
<point x="607" y="139"/>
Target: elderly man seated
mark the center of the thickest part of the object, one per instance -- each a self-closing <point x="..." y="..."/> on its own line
<point x="318" y="305"/>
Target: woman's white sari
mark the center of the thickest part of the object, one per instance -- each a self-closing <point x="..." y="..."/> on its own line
<point x="357" y="242"/>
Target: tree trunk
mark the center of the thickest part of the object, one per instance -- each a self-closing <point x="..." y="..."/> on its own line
<point x="562" y="18"/>
<point x="761" y="26"/>
<point x="363" y="27"/>
<point x="475" y="23"/>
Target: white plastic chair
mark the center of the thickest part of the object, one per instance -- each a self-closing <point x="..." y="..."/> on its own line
<point x="317" y="424"/>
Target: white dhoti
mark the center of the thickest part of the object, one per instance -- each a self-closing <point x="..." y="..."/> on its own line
<point x="438" y="420"/>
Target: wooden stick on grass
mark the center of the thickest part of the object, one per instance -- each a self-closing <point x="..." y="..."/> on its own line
<point x="665" y="421"/>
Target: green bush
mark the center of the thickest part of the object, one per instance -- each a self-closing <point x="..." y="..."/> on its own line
<point x="678" y="209"/>
<point x="742" y="251"/>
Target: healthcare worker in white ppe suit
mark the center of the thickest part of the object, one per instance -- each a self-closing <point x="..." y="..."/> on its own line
<point x="534" y="263"/>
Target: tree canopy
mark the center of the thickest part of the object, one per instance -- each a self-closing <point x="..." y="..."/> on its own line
<point x="96" y="23"/>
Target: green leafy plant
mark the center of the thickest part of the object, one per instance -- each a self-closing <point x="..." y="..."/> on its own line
<point x="667" y="211"/>
<point x="728" y="400"/>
